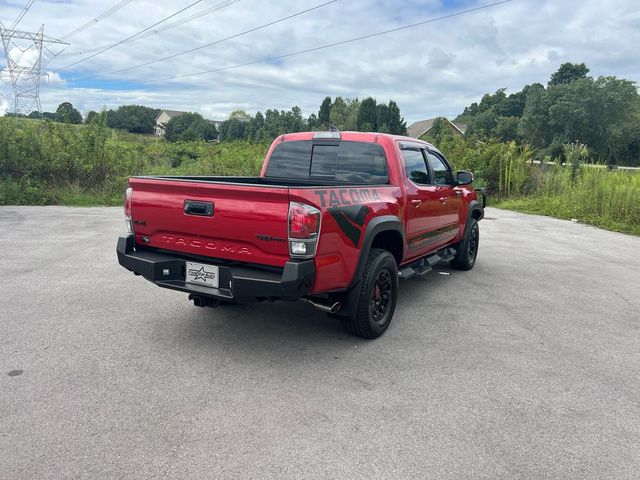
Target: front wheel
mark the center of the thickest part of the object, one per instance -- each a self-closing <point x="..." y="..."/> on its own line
<point x="467" y="249"/>
<point x="378" y="296"/>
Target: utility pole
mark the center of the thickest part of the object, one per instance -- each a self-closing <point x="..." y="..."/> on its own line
<point x="25" y="77"/>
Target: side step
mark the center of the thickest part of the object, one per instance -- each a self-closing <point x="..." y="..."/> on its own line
<point x="425" y="264"/>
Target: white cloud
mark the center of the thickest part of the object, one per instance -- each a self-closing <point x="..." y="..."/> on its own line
<point x="52" y="77"/>
<point x="4" y="106"/>
<point x="435" y="69"/>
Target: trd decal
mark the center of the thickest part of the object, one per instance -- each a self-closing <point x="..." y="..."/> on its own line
<point x="350" y="220"/>
<point x="346" y="196"/>
<point x="269" y="238"/>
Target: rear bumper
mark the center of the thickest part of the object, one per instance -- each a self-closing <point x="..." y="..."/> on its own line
<point x="238" y="284"/>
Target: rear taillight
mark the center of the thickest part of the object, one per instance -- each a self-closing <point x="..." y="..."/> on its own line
<point x="304" y="227"/>
<point x="128" y="196"/>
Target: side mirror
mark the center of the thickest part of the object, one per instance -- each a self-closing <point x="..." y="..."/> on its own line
<point x="464" y="178"/>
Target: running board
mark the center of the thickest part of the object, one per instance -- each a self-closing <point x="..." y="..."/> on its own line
<point x="425" y="264"/>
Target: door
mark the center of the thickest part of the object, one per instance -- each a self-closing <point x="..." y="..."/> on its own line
<point x="423" y="207"/>
<point x="448" y="195"/>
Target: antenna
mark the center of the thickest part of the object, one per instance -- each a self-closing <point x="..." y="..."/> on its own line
<point x="25" y="73"/>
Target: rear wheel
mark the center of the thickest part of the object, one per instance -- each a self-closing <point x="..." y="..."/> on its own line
<point x="378" y="296"/>
<point x="467" y="249"/>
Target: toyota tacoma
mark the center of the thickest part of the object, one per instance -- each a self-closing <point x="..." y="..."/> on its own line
<point x="334" y="219"/>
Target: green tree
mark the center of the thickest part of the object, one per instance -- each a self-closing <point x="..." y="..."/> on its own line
<point x="507" y="128"/>
<point x="620" y="119"/>
<point x="324" y="115"/>
<point x="293" y="120"/>
<point x="573" y="114"/>
<point x="91" y="115"/>
<point x="312" y="122"/>
<point x="65" y="113"/>
<point x="353" y="109"/>
<point x="339" y="113"/>
<point x="255" y="130"/>
<point x="189" y="127"/>
<point x="568" y="72"/>
<point x="483" y="124"/>
<point x="133" y="118"/>
<point x="396" y="123"/>
<point x="367" y="115"/>
<point x="534" y="124"/>
<point x="240" y="115"/>
<point x="382" y="118"/>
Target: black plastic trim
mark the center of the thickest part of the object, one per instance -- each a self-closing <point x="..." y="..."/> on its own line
<point x="474" y="206"/>
<point x="376" y="226"/>
<point x="238" y="283"/>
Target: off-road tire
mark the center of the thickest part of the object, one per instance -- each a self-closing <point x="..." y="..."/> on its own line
<point x="378" y="296"/>
<point x="467" y="249"/>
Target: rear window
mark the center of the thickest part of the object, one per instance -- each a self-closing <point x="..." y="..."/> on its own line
<point x="345" y="162"/>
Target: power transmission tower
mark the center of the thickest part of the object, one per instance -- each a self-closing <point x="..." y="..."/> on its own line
<point x="25" y="72"/>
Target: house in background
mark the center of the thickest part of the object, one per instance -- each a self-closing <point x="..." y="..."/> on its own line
<point x="163" y="118"/>
<point x="165" y="115"/>
<point x="421" y="128"/>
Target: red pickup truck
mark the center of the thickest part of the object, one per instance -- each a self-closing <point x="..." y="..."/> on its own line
<point x="335" y="219"/>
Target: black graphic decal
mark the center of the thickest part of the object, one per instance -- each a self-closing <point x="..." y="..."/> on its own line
<point x="428" y="238"/>
<point x="350" y="220"/>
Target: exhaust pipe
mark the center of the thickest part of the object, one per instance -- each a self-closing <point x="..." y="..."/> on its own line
<point x="324" y="305"/>
<point x="202" y="302"/>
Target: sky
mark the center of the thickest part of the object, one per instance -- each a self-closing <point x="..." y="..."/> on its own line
<point x="435" y="69"/>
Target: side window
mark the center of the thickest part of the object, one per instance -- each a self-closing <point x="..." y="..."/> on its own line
<point x="441" y="173"/>
<point x="416" y="167"/>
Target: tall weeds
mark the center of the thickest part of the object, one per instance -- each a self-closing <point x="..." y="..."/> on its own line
<point x="48" y="162"/>
<point x="580" y="190"/>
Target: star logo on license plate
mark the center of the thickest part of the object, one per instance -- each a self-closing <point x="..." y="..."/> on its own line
<point x="201" y="274"/>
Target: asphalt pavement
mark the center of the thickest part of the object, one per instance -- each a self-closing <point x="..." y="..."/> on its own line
<point x="525" y="367"/>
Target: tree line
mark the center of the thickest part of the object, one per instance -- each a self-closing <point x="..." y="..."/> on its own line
<point x="132" y="118"/>
<point x="602" y="113"/>
<point x="343" y="113"/>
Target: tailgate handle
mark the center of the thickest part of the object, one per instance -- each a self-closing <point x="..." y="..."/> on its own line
<point x="194" y="207"/>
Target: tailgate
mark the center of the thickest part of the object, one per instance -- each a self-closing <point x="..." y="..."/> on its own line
<point x="228" y="221"/>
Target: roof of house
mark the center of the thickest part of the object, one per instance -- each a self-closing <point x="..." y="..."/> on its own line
<point x="170" y="113"/>
<point x="461" y="126"/>
<point x="417" y="129"/>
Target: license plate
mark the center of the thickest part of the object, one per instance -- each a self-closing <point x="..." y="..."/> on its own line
<point x="202" y="274"/>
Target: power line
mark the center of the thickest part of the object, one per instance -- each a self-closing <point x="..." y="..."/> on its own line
<point x="22" y="14"/>
<point x="87" y="25"/>
<point x="330" y="45"/>
<point x="169" y="26"/>
<point x="209" y="44"/>
<point x="129" y="37"/>
<point x="102" y="16"/>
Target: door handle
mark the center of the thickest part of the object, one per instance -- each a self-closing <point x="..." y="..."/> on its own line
<point x="416" y="203"/>
<point x="202" y="209"/>
<point x="443" y="200"/>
